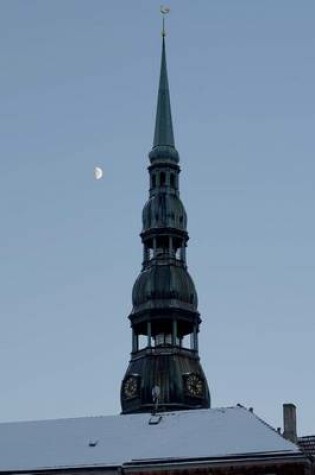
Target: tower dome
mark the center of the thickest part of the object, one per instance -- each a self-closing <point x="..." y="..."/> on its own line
<point x="164" y="210"/>
<point x="161" y="285"/>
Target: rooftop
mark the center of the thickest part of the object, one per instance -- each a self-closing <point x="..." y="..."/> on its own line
<point x="109" y="441"/>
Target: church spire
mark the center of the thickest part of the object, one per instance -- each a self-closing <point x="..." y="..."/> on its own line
<point x="164" y="371"/>
<point x="163" y="141"/>
<point x="163" y="134"/>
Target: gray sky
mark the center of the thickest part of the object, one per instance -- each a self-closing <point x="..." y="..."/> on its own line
<point x="78" y="86"/>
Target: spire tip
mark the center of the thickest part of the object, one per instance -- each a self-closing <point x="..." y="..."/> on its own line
<point x="164" y="10"/>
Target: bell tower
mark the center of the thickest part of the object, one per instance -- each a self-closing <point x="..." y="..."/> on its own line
<point x="164" y="371"/>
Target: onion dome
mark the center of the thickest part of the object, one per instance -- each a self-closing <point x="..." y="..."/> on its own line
<point x="164" y="210"/>
<point x="160" y="283"/>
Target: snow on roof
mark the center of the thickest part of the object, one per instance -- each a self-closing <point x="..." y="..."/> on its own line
<point x="114" y="440"/>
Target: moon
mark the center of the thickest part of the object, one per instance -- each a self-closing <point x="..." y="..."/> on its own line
<point x="98" y="173"/>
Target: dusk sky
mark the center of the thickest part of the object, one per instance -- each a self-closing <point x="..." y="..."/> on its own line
<point x="78" y="86"/>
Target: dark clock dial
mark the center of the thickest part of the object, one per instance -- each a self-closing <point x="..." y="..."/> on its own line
<point x="194" y="385"/>
<point x="130" y="387"/>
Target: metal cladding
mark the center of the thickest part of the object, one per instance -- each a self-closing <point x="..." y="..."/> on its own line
<point x="164" y="210"/>
<point x="157" y="284"/>
<point x="163" y="134"/>
<point x="164" y="371"/>
<point x="163" y="142"/>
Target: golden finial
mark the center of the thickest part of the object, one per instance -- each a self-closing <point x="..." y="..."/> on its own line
<point x="164" y="10"/>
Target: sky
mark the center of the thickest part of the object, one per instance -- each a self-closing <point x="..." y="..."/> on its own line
<point x="78" y="87"/>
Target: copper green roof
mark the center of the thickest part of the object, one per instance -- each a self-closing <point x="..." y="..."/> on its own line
<point x="163" y="134"/>
<point x="163" y="142"/>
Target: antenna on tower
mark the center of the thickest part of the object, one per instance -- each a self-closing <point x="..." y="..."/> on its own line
<point x="164" y="10"/>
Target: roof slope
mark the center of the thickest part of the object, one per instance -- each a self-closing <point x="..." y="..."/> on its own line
<point x="120" y="439"/>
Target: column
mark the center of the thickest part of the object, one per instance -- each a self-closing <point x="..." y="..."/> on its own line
<point x="145" y="253"/>
<point x="171" y="251"/>
<point x="183" y="253"/>
<point x="195" y="338"/>
<point x="149" y="334"/>
<point x="135" y="341"/>
<point x="174" y="332"/>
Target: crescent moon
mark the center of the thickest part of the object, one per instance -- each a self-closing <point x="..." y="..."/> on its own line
<point x="98" y="173"/>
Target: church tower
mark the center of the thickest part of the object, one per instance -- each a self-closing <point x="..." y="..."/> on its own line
<point x="164" y="372"/>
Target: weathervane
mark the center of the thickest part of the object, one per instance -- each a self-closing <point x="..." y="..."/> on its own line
<point x="164" y="10"/>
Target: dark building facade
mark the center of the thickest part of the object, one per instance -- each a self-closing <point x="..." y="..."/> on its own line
<point x="164" y="374"/>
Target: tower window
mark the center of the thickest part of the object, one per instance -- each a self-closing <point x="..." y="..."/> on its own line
<point x="143" y="340"/>
<point x="153" y="183"/>
<point x="163" y="339"/>
<point x="185" y="341"/>
<point x="162" y="179"/>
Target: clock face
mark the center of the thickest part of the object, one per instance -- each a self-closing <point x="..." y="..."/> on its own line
<point x="130" y="387"/>
<point x="194" y="385"/>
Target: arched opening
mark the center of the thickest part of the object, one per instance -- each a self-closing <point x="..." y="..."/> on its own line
<point x="162" y="179"/>
<point x="142" y="342"/>
<point x="162" y="246"/>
